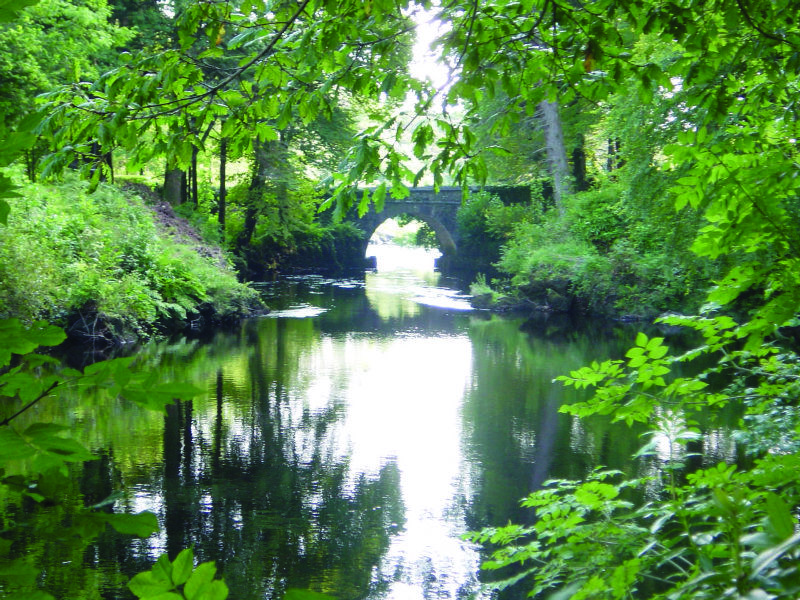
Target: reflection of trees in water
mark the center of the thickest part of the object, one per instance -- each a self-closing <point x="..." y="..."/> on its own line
<point x="272" y="520"/>
<point x="519" y="438"/>
<point x="270" y="515"/>
<point x="247" y="475"/>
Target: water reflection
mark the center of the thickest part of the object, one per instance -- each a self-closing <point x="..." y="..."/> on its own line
<point x="349" y="449"/>
<point x="405" y="281"/>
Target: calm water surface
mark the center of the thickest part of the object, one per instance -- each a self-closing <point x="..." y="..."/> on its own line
<point x="347" y="441"/>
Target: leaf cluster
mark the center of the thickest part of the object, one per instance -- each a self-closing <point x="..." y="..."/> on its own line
<point x="179" y="580"/>
<point x="35" y="456"/>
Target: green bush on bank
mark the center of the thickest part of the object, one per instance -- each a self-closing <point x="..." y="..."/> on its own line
<point x="97" y="263"/>
<point x="600" y="256"/>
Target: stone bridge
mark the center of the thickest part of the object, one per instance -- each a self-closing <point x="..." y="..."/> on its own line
<point x="437" y="210"/>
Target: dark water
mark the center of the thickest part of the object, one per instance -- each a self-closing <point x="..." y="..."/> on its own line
<point x="344" y="443"/>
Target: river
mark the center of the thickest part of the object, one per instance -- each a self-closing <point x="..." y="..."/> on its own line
<point x="345" y="442"/>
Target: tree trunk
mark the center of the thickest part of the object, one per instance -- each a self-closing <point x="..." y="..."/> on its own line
<point x="613" y="161"/>
<point x="173" y="186"/>
<point x="223" y="159"/>
<point x="579" y="168"/>
<point x="185" y="192"/>
<point x="30" y="165"/>
<point x="269" y="173"/>
<point x="101" y="160"/>
<point x="556" y="151"/>
<point x="255" y="191"/>
<point x="618" y="153"/>
<point x="193" y="182"/>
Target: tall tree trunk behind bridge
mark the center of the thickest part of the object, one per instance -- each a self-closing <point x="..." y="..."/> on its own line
<point x="579" y="167"/>
<point x="256" y="189"/>
<point x="556" y="151"/>
<point x="193" y="176"/>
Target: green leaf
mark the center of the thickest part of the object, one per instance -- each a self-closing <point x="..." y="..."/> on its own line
<point x="201" y="578"/>
<point x="9" y="9"/>
<point x="265" y="132"/>
<point x="13" y="446"/>
<point x="5" y="209"/>
<point x="658" y="352"/>
<point x="216" y="590"/>
<point x="163" y="568"/>
<point x="88" y="525"/>
<point x="149" y="584"/>
<point x="654" y="343"/>
<point x="780" y="522"/>
<point x="182" y="566"/>
<point x="624" y="577"/>
<point x="634" y="353"/>
<point x="769" y="557"/>
<point x="595" y="494"/>
<point x="379" y="197"/>
<point x="295" y="594"/>
<point x="142" y="524"/>
<point x="17" y="339"/>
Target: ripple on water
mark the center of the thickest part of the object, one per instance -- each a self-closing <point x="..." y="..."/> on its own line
<point x="303" y="311"/>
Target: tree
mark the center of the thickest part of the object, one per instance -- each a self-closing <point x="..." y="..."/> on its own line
<point x="733" y="73"/>
<point x="52" y="43"/>
<point x="719" y="531"/>
<point x="338" y="45"/>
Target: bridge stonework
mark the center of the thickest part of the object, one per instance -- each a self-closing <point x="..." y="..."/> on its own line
<point x="437" y="210"/>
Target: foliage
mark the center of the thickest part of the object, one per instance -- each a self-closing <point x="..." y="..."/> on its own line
<point x="35" y="460"/>
<point x="290" y="234"/>
<point x="722" y="535"/>
<point x="291" y="58"/>
<point x="484" y="223"/>
<point x="100" y="264"/>
<point x="37" y="456"/>
<point x="724" y="532"/>
<point x="52" y="43"/>
<point x="722" y="77"/>
<point x="179" y="580"/>
<point x="729" y="83"/>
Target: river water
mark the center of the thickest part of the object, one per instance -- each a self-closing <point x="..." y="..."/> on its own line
<point x="346" y="442"/>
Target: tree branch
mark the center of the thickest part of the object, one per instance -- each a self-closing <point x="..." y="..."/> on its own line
<point x="45" y="393"/>
<point x="754" y="25"/>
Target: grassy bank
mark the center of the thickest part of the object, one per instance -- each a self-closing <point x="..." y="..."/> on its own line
<point x="104" y="265"/>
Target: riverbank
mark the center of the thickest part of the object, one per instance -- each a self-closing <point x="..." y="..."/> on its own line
<point x="114" y="265"/>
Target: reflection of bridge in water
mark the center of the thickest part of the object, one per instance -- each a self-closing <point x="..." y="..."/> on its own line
<point x="436" y="209"/>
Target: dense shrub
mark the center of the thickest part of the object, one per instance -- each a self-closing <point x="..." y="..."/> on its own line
<point x="606" y="253"/>
<point x="98" y="262"/>
<point x="485" y="223"/>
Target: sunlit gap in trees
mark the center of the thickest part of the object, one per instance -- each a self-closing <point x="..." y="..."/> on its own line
<point x="426" y="62"/>
<point x="429" y="67"/>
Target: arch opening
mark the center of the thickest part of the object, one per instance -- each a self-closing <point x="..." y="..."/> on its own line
<point x="404" y="241"/>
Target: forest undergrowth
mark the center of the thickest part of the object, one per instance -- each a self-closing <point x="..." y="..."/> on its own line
<point x="112" y="265"/>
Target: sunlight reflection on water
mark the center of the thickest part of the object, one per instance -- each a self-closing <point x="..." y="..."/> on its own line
<point x="405" y="405"/>
<point x="409" y="273"/>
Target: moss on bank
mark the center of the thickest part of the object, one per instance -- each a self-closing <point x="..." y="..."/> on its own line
<point x="101" y="265"/>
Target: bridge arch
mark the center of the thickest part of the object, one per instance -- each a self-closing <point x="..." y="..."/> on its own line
<point x="436" y="208"/>
<point x="447" y="242"/>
